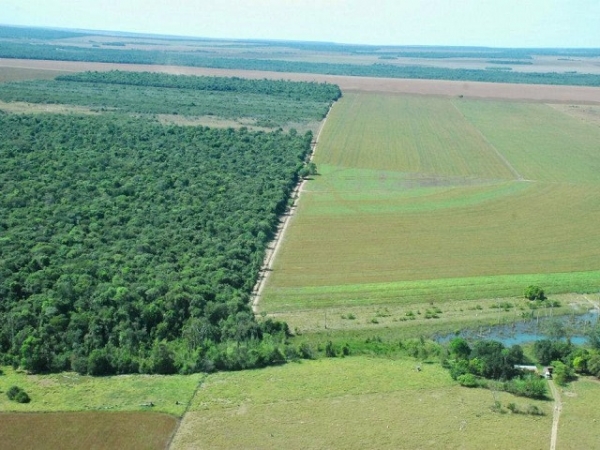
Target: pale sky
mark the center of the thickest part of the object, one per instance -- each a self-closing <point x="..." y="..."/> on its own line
<point x="495" y="23"/>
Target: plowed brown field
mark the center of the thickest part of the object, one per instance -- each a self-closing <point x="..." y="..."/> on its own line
<point x="523" y="92"/>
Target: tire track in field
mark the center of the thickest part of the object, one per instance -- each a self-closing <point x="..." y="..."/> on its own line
<point x="555" y="415"/>
<point x="275" y="244"/>
<point x="502" y="158"/>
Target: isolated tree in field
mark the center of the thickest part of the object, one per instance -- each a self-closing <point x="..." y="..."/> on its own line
<point x="534" y="293"/>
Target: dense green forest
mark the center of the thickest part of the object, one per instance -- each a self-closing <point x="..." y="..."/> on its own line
<point x="131" y="246"/>
<point x="270" y="103"/>
<point x="10" y="49"/>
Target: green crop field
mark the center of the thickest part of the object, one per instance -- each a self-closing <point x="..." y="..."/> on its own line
<point x="355" y="402"/>
<point x="425" y="199"/>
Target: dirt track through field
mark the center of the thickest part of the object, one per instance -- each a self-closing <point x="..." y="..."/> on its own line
<point x="467" y="89"/>
<point x="274" y="246"/>
<point x="556" y="415"/>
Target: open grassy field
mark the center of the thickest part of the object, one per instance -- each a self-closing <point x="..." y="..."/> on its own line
<point x="356" y="402"/>
<point x="426" y="199"/>
<point x="580" y="415"/>
<point x="89" y="430"/>
<point x="73" y="392"/>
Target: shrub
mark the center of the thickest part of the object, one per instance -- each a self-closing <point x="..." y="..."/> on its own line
<point x="22" y="397"/>
<point x="16" y="394"/>
<point x="468" y="380"/>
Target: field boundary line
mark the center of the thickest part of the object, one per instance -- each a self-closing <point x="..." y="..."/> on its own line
<point x="275" y="244"/>
<point x="185" y="411"/>
<point x="506" y="162"/>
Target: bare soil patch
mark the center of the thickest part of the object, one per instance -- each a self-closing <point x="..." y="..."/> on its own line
<point x="89" y="430"/>
<point x="522" y="92"/>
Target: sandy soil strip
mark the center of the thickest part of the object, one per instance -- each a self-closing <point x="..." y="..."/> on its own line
<point x="274" y="246"/>
<point x="469" y="89"/>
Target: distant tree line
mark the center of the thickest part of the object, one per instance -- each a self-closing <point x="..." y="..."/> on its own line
<point x="301" y="90"/>
<point x="10" y="49"/>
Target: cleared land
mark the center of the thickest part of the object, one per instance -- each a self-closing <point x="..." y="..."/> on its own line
<point x="535" y="93"/>
<point x="355" y="402"/>
<point x="424" y="199"/>
<point x="70" y="411"/>
<point x="72" y="392"/>
<point x="580" y="415"/>
<point x="89" y="430"/>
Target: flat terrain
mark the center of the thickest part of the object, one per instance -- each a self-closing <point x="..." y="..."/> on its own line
<point x="89" y="430"/>
<point x="428" y="199"/>
<point x="356" y="402"/>
<point x="72" y="392"/>
<point x="70" y="411"/>
<point x="580" y="415"/>
<point x="536" y="93"/>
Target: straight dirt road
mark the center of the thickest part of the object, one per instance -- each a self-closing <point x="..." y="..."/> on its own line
<point x="556" y="414"/>
<point x="273" y="246"/>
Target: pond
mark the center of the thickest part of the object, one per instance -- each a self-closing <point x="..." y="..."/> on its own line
<point x="531" y="330"/>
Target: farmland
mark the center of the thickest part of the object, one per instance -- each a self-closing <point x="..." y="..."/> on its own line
<point x="90" y="430"/>
<point x="427" y="199"/>
<point x="355" y="402"/>
<point x="580" y="408"/>
<point x="72" y="411"/>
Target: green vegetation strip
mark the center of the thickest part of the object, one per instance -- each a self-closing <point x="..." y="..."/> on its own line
<point x="422" y="291"/>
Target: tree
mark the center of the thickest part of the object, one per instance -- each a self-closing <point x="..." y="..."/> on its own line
<point x="562" y="373"/>
<point x="593" y="365"/>
<point x="459" y="348"/>
<point x="533" y="292"/>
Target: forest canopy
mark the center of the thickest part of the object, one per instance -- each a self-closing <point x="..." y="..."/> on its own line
<point x="131" y="246"/>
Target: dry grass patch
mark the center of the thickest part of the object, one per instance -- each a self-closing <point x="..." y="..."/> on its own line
<point x="89" y="430"/>
<point x="37" y="108"/>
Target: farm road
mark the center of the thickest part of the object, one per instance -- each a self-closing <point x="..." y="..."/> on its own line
<point x="556" y="414"/>
<point x="274" y="246"/>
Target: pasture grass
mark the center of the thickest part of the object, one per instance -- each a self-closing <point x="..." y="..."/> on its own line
<point x="89" y="430"/>
<point x="580" y="415"/>
<point x="72" y="392"/>
<point x="404" y="212"/>
<point x="426" y="318"/>
<point x="354" y="402"/>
